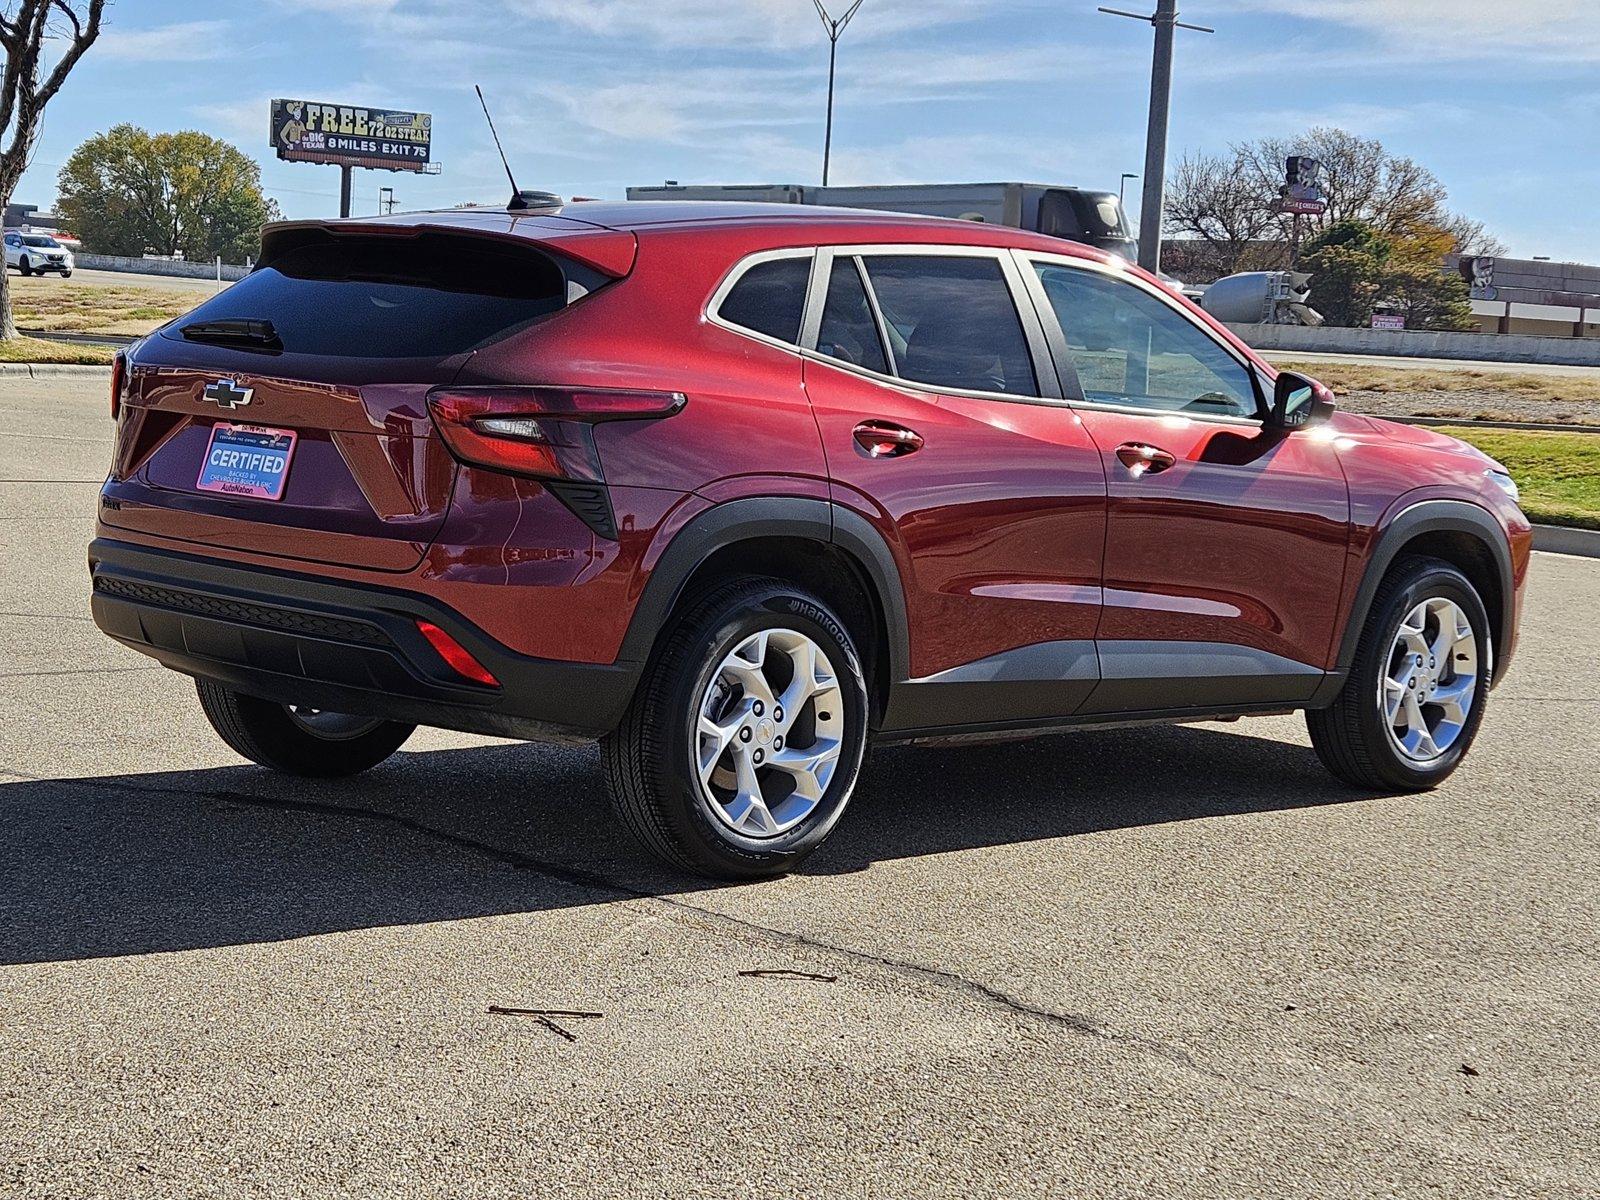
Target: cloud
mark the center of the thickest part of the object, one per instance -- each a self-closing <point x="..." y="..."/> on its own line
<point x="352" y="8"/>
<point x="769" y="24"/>
<point x="243" y="121"/>
<point x="186" y="41"/>
<point x="1455" y="29"/>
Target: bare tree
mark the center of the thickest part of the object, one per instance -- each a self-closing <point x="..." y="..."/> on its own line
<point x="1217" y="206"/>
<point x="1472" y="238"/>
<point x="26" y="86"/>
<point x="1226" y="207"/>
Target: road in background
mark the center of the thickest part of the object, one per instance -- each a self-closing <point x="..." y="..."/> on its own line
<point x="1429" y="364"/>
<point x="1166" y="962"/>
<point x="177" y="283"/>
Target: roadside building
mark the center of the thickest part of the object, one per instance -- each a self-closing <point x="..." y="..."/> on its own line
<point x="1533" y="296"/>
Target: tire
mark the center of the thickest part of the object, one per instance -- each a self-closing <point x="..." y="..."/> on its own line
<point x="24" y="268"/>
<point x="284" y="740"/>
<point x="1355" y="738"/>
<point x="66" y="274"/>
<point x="708" y="662"/>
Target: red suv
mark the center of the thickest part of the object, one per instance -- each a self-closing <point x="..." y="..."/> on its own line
<point x="735" y="489"/>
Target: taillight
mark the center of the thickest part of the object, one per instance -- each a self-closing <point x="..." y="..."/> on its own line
<point x="119" y="379"/>
<point x="456" y="655"/>
<point x="545" y="432"/>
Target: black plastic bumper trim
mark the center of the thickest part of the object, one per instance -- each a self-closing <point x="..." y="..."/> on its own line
<point x="337" y="645"/>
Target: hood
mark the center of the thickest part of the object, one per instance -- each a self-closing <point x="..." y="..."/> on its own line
<point x="1424" y="436"/>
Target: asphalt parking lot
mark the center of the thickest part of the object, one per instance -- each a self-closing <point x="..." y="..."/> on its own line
<point x="1180" y="962"/>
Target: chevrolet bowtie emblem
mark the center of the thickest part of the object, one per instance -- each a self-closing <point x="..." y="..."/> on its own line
<point x="228" y="394"/>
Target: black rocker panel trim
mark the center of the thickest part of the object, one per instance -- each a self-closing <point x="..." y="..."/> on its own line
<point x="1067" y="681"/>
<point x="1149" y="675"/>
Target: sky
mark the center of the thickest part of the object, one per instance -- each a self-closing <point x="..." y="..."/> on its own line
<point x="1499" y="98"/>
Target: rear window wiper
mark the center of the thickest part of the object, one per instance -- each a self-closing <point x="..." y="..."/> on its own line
<point x="235" y="331"/>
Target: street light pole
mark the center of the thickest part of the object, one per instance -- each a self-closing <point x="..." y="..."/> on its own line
<point x="1165" y="20"/>
<point x="1123" y="186"/>
<point x="834" y="28"/>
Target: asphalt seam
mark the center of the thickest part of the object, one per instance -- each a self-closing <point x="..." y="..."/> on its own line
<point x="947" y="981"/>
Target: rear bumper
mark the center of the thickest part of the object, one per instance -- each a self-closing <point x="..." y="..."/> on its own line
<point x="300" y="639"/>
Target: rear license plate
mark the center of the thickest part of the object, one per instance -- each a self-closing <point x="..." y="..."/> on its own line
<point x="247" y="460"/>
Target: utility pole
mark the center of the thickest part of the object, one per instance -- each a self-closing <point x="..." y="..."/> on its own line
<point x="834" y="28"/>
<point x="1165" y="20"/>
<point x="385" y="200"/>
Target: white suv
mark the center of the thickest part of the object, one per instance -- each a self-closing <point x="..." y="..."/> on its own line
<point x="36" y="253"/>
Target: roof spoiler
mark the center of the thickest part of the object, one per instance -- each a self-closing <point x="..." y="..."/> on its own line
<point x="609" y="251"/>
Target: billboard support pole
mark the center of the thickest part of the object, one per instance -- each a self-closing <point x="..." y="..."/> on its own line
<point x="344" y="189"/>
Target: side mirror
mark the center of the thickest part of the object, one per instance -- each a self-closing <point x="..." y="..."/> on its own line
<point x="1299" y="401"/>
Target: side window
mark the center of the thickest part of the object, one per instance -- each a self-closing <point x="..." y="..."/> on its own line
<point x="952" y="322"/>
<point x="1130" y="348"/>
<point x="849" y="332"/>
<point x="770" y="298"/>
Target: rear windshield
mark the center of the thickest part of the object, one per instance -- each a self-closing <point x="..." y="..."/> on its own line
<point x="430" y="296"/>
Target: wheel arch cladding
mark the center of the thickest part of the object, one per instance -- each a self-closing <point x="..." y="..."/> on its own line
<point x="1462" y="534"/>
<point x="821" y="547"/>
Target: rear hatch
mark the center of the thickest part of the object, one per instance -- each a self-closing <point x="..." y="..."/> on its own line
<point x="287" y="416"/>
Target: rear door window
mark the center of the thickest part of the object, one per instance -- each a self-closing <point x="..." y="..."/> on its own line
<point x="849" y="331"/>
<point x="770" y="298"/>
<point x="952" y="322"/>
<point x="430" y="296"/>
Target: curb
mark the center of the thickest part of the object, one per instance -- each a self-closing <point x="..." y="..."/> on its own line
<point x="54" y="371"/>
<point x="1563" y="539"/>
<point x="1459" y="423"/>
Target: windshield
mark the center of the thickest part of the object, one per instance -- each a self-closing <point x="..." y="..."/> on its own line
<point x="35" y="240"/>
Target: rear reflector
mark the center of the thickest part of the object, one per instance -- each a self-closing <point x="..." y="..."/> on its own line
<point x="457" y="655"/>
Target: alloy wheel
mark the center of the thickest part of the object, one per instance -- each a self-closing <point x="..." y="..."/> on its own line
<point x="1431" y="679"/>
<point x="768" y="733"/>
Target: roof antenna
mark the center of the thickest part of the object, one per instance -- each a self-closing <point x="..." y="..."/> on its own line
<point x="520" y="200"/>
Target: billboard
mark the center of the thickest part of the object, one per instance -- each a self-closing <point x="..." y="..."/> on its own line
<point x="1301" y="194"/>
<point x="345" y="135"/>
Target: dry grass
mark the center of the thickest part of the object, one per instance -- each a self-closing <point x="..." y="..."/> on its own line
<point x="37" y="350"/>
<point x="1365" y="377"/>
<point x="68" y="306"/>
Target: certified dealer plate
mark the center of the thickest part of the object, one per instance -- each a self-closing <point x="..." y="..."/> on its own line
<point x="247" y="460"/>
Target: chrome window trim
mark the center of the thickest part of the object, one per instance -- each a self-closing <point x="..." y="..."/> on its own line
<point x="891" y="361"/>
<point x="1033" y="334"/>
<point x="1026" y="261"/>
<point x="713" y="309"/>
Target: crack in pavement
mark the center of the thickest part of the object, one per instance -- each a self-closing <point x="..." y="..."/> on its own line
<point x="948" y="981"/>
<point x="75" y="671"/>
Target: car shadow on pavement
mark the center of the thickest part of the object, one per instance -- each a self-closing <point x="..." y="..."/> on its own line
<point x="135" y="864"/>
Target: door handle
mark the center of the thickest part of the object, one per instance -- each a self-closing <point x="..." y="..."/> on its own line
<point x="884" y="439"/>
<point x="1141" y="459"/>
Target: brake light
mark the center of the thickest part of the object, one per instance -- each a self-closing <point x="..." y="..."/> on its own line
<point x="119" y="378"/>
<point x="456" y="655"/>
<point x="545" y="432"/>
